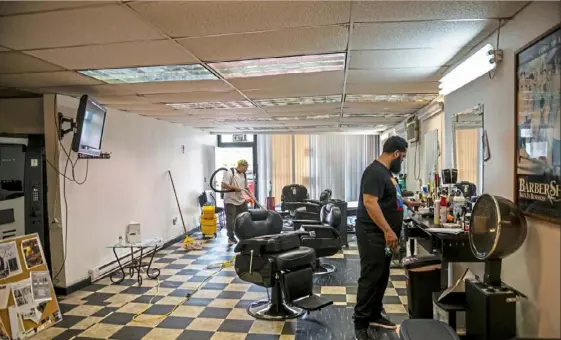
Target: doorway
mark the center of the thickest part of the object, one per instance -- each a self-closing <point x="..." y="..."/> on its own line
<point x="231" y="148"/>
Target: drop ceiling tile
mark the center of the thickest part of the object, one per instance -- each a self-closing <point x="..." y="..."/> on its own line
<point x="291" y="42"/>
<point x="110" y="100"/>
<point x="401" y="58"/>
<point x="373" y="11"/>
<point x="288" y="81"/>
<point x="396" y="75"/>
<point x="392" y="88"/>
<point x="93" y="90"/>
<point x="211" y="85"/>
<point x="193" y="97"/>
<point x="391" y="107"/>
<point x="142" y="107"/>
<point x="224" y="112"/>
<point x="304" y="108"/>
<point x="197" y="18"/>
<point x="423" y="34"/>
<point x="120" y="55"/>
<point x="83" y="26"/>
<point x="15" y="62"/>
<point x="20" y="7"/>
<point x="46" y="79"/>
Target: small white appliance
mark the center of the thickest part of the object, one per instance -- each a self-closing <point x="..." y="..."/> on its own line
<point x="132" y="234"/>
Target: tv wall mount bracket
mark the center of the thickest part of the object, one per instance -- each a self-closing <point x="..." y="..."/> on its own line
<point x="62" y="119"/>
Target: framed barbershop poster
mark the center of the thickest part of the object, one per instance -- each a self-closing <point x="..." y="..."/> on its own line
<point x="538" y="127"/>
<point x="28" y="302"/>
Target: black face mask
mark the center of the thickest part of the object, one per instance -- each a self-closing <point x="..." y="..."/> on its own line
<point x="395" y="166"/>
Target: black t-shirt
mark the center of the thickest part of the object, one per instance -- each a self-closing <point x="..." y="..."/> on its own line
<point x="377" y="180"/>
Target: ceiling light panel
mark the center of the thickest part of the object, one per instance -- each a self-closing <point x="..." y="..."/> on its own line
<point x="277" y="66"/>
<point x="373" y="115"/>
<point x="150" y="74"/>
<point x="299" y="100"/>
<point x="241" y="104"/>
<point x="312" y="117"/>
<point x="400" y="98"/>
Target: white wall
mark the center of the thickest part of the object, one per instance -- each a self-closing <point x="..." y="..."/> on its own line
<point x="133" y="185"/>
<point x="535" y="268"/>
<point x="414" y="155"/>
<point x="21" y="115"/>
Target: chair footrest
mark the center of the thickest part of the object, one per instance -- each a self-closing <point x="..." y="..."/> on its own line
<point x="312" y="303"/>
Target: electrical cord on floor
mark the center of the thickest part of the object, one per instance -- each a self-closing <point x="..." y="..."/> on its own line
<point x="223" y="265"/>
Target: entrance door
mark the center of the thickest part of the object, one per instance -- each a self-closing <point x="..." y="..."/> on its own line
<point x="232" y="148"/>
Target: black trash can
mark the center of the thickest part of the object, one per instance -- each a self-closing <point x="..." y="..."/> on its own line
<point x="423" y="278"/>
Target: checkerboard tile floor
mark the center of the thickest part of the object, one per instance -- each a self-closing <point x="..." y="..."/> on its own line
<point x="218" y="310"/>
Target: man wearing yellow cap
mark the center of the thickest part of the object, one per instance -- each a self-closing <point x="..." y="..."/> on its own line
<point x="234" y="202"/>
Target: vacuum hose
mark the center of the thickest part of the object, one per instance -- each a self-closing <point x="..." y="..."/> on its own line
<point x="212" y="182"/>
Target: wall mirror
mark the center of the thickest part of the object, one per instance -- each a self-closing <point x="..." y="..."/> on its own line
<point x="469" y="145"/>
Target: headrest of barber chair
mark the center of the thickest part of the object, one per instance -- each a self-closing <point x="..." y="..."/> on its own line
<point x="331" y="215"/>
<point x="325" y="195"/>
<point x="258" y="222"/>
<point x="294" y="193"/>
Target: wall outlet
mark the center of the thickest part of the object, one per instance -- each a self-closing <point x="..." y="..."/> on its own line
<point x="174" y="221"/>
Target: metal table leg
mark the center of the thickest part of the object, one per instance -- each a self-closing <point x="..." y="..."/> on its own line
<point x="122" y="270"/>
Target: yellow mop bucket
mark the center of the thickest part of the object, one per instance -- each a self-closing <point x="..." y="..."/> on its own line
<point x="208" y="221"/>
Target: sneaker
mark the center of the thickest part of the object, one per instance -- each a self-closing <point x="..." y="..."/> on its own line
<point x="383" y="322"/>
<point x="232" y="241"/>
<point x="365" y="334"/>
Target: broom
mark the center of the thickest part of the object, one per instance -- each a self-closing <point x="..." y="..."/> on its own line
<point x="188" y="242"/>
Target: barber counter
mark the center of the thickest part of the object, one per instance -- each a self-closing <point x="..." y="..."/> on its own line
<point x="450" y="248"/>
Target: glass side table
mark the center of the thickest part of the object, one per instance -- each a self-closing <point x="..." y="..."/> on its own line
<point x="136" y="264"/>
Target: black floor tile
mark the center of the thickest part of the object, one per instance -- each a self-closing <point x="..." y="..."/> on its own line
<point x="147" y="299"/>
<point x="67" y="334"/>
<point x="231" y="295"/>
<point x="235" y="326"/>
<point x="131" y="332"/>
<point x="136" y="290"/>
<point x="195" y="335"/>
<point x="198" y="302"/>
<point x="69" y="321"/>
<point x="118" y="318"/>
<point x="175" y="322"/>
<point x="216" y="313"/>
<point x="159" y="309"/>
<point x="105" y="311"/>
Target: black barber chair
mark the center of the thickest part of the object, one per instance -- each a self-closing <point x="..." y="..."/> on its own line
<point x="269" y="259"/>
<point x="323" y="236"/>
<point x="295" y="200"/>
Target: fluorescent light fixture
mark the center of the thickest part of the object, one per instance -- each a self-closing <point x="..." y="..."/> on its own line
<point x="276" y="66"/>
<point x="398" y="98"/>
<point x="313" y="127"/>
<point x="373" y="115"/>
<point x="241" y="119"/>
<point x="242" y="104"/>
<point x="299" y="100"/>
<point x="313" y="117"/>
<point x="478" y="64"/>
<point x="150" y="74"/>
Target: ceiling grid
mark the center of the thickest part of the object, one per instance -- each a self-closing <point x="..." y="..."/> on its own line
<point x="259" y="66"/>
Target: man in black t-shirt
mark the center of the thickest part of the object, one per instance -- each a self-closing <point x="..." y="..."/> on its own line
<point x="379" y="219"/>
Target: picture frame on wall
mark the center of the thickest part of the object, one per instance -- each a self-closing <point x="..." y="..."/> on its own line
<point x="538" y="127"/>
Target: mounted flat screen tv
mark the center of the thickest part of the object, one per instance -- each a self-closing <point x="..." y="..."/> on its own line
<point x="90" y="121"/>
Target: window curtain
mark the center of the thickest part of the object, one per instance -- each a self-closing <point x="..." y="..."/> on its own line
<point x="468" y="154"/>
<point x="337" y="163"/>
<point x="281" y="163"/>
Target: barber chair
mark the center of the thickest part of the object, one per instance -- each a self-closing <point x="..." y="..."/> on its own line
<point x="323" y="237"/>
<point x="269" y="259"/>
<point x="296" y="201"/>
